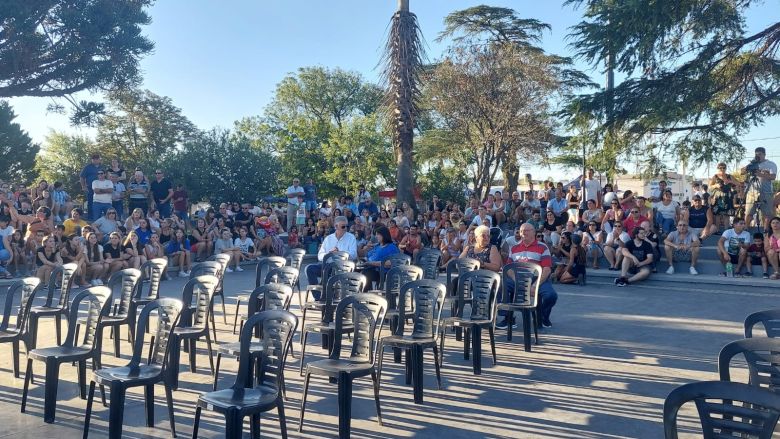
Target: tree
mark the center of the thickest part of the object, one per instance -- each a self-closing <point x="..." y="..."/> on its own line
<point x="141" y="127"/>
<point x="696" y="79"/>
<point x="403" y="59"/>
<point x="62" y="158"/>
<point x="16" y="147"/>
<point x="54" y="48"/>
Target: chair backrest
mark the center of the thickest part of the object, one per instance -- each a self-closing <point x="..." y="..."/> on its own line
<point x="61" y="278"/>
<point x="26" y="288"/>
<point x="168" y="314"/>
<point x="335" y="256"/>
<point x="264" y="265"/>
<point x="391" y="261"/>
<point x="123" y="284"/>
<point x="763" y="360"/>
<point x="526" y="286"/>
<point x="483" y="286"/>
<point x="152" y="272"/>
<point x="335" y="266"/>
<point x="295" y="257"/>
<point x="725" y="409"/>
<point x="339" y="287"/>
<point x="428" y="297"/>
<point x="210" y="268"/>
<point x="459" y="266"/>
<point x="269" y="297"/>
<point x="283" y="275"/>
<point x="276" y="329"/>
<point x="196" y="297"/>
<point x="770" y="319"/>
<point x="397" y="277"/>
<point x="222" y="258"/>
<point x="429" y="260"/>
<point x="366" y="311"/>
<point x="98" y="300"/>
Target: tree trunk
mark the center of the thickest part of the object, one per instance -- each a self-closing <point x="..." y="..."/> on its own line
<point x="511" y="172"/>
<point x="405" y="172"/>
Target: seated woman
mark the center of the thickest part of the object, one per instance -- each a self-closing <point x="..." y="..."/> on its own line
<point x="411" y="244"/>
<point x="377" y="253"/>
<point x="450" y="247"/>
<point x="72" y="253"/>
<point x="153" y="249"/>
<point x="178" y="250"/>
<point x="47" y="258"/>
<point x="133" y="250"/>
<point x="225" y="245"/>
<point x="575" y="264"/>
<point x="592" y="241"/>
<point x="97" y="267"/>
<point x="114" y="255"/>
<point x="245" y="244"/>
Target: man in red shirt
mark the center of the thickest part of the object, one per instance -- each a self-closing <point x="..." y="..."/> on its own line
<point x="531" y="250"/>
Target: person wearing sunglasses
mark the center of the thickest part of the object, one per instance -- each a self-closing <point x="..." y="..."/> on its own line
<point x="613" y="215"/>
<point x="339" y="240"/>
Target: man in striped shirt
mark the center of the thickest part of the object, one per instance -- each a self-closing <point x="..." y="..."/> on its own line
<point x="531" y="250"/>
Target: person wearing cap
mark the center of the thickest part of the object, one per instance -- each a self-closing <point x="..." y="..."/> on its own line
<point x="700" y="219"/>
<point x="89" y="174"/>
<point x="723" y="187"/>
<point x="759" y="190"/>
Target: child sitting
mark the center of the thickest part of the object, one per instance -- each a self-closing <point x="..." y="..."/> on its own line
<point x="293" y="239"/>
<point x="757" y="255"/>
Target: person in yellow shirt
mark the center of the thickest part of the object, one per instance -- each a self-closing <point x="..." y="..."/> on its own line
<point x="74" y="222"/>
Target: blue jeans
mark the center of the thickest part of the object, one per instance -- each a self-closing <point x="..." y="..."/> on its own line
<point x="666" y="224"/>
<point x="311" y="205"/>
<point x="98" y="209"/>
<point x="182" y="214"/>
<point x="90" y="196"/>
<point x="547" y="298"/>
<point x="313" y="274"/>
<point x="119" y="206"/>
<point x="5" y="255"/>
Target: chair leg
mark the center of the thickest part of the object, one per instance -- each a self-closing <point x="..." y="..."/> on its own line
<point x="193" y="344"/>
<point x="212" y="323"/>
<point x="27" y="377"/>
<point x="466" y="342"/>
<point x="211" y="352"/>
<point x="408" y="366"/>
<point x="88" y="415"/>
<point x="76" y="334"/>
<point x="15" y="348"/>
<point x="282" y="418"/>
<point x="117" y="340"/>
<point x="169" y="402"/>
<point x="116" y="411"/>
<point x="254" y="426"/>
<point x="234" y="424"/>
<point x="375" y="378"/>
<point x="437" y="365"/>
<point x="50" y="391"/>
<point x="235" y="319"/>
<point x="151" y="346"/>
<point x="149" y="404"/>
<point x="303" y="400"/>
<point x="442" y="334"/>
<point x="345" y="404"/>
<point x="381" y="354"/>
<point x="195" y="423"/>
<point x="536" y="329"/>
<point x="304" y="337"/>
<point x="58" y="328"/>
<point x="224" y="312"/>
<point x="492" y="334"/>
<point x="216" y="371"/>
<point x="417" y="373"/>
<point x="82" y="372"/>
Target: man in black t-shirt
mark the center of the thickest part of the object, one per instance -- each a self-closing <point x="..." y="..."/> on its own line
<point x="638" y="256"/>
<point x="162" y="192"/>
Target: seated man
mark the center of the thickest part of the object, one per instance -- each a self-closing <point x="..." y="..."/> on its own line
<point x="340" y="240"/>
<point x="700" y="219"/>
<point x="682" y="245"/>
<point x="637" y="258"/>
<point x="732" y="247"/>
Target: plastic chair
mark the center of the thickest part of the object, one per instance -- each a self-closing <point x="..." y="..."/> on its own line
<point x="295" y="260"/>
<point x="389" y="262"/>
<point x="138" y="374"/>
<point x="151" y="274"/>
<point x="243" y="398"/>
<point x="338" y="288"/>
<point x="725" y="409"/>
<point x="367" y="311"/>
<point x="61" y="279"/>
<point x="395" y="279"/>
<point x="455" y="268"/>
<point x="283" y="275"/>
<point x="264" y="265"/>
<point x="223" y="260"/>
<point x="98" y="300"/>
<point x="483" y="285"/>
<point x="524" y="299"/>
<point x="264" y="298"/>
<point x="429" y="260"/>
<point x="216" y="269"/>
<point x="26" y="289"/>
<point x="762" y="356"/>
<point x="428" y="297"/>
<point x="770" y="319"/>
<point x="124" y="282"/>
<point x="193" y="324"/>
<point x="327" y="267"/>
<point x="333" y="267"/>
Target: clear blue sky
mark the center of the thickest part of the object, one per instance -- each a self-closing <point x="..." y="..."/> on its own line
<point x="220" y="61"/>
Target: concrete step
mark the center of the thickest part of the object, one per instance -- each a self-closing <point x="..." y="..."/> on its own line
<point x="685" y="281"/>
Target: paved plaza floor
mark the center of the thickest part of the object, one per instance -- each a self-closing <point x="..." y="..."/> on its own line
<point x="602" y="371"/>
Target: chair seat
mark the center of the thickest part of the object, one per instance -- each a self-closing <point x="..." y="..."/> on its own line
<point x="234" y="349"/>
<point x="314" y="288"/>
<point x="109" y="320"/>
<point x="255" y="398"/>
<point x="327" y="327"/>
<point x="46" y="310"/>
<point x="333" y="368"/>
<point x="407" y="340"/>
<point x="314" y="305"/>
<point x="242" y="298"/>
<point x="144" y="374"/>
<point x="512" y="306"/>
<point x="465" y="321"/>
<point x="64" y="353"/>
<point x="6" y="334"/>
<point x="188" y="332"/>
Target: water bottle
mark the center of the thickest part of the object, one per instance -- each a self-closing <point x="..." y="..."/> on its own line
<point x="729" y="269"/>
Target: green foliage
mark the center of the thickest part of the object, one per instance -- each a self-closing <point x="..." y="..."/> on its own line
<point x="216" y="166"/>
<point x="62" y="158"/>
<point x="448" y="182"/>
<point x="16" y="148"/>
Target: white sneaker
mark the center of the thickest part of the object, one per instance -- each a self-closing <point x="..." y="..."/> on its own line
<point x="693" y="271"/>
<point x="229" y="270"/>
<point x="182" y="273"/>
<point x="239" y="268"/>
<point x="670" y="270"/>
<point x="93" y="282"/>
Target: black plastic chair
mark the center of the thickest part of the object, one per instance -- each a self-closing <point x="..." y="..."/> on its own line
<point x="26" y="289"/>
<point x="429" y="260"/>
<point x="725" y="409"/>
<point x="455" y="268"/>
<point x="483" y="286"/>
<point x="216" y="269"/>
<point x="389" y="262"/>
<point x="193" y="324"/>
<point x="366" y="311"/>
<point x="395" y="278"/>
<point x="244" y="398"/>
<point x="762" y="356"/>
<point x="138" y="374"/>
<point x="428" y="297"/>
<point x="122" y="284"/>
<point x="267" y="297"/>
<point x="224" y="261"/>
<point x="524" y="299"/>
<point x="327" y="267"/>
<point x="264" y="265"/>
<point x="98" y="301"/>
<point x="338" y="288"/>
<point x="769" y="319"/>
<point x="61" y="279"/>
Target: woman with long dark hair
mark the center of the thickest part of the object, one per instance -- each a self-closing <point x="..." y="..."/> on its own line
<point x="377" y="253"/>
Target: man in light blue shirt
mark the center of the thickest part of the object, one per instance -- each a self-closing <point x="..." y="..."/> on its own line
<point x="558" y="205"/>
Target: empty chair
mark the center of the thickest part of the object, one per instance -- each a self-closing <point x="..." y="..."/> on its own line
<point x="725" y="409"/>
<point x="762" y="356"/>
<point x="769" y="319"/>
<point x="26" y="289"/>
<point x="395" y="278"/>
<point x="520" y="292"/>
<point x="323" y="271"/>
<point x="224" y="260"/>
<point x="483" y="285"/>
<point x="429" y="260"/>
<point x="216" y="269"/>
<point x="267" y="297"/>
<point x="151" y="274"/>
<point x="281" y="275"/>
<point x="193" y="323"/>
<point x="295" y="260"/>
<point x="138" y="373"/>
<point x="338" y="288"/>
<point x="98" y="302"/>
<point x="366" y="311"/>
<point x="61" y="279"/>
<point x="391" y="261"/>
<point x="264" y="265"/>
<point x="244" y="398"/>
<point x="455" y="268"/>
<point x="333" y="267"/>
<point x="428" y="297"/>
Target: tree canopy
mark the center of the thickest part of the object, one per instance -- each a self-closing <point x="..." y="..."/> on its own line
<point x="16" y="148"/>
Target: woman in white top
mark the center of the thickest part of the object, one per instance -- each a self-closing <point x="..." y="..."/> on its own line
<point x="667" y="212"/>
<point x="615" y="241"/>
<point x="400" y="219"/>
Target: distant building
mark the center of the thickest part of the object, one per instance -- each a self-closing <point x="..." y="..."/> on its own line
<point x="681" y="188"/>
